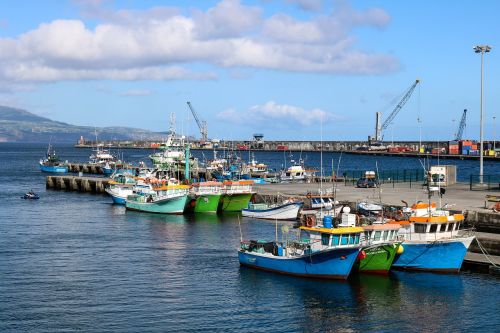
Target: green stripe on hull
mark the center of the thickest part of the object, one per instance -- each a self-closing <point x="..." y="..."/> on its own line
<point x="378" y="259"/>
<point x="207" y="203"/>
<point x="173" y="206"/>
<point x="234" y="202"/>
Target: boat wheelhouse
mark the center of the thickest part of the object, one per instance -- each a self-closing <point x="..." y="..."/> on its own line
<point x="296" y="173"/>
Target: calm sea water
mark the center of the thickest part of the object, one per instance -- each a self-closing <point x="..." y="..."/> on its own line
<point x="73" y="261"/>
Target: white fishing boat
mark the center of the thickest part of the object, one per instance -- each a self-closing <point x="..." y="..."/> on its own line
<point x="296" y="173"/>
<point x="283" y="211"/>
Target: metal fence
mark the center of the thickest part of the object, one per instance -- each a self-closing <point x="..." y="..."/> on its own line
<point x="484" y="183"/>
<point x="388" y="176"/>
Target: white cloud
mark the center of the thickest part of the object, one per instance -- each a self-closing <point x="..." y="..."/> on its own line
<point x="277" y="115"/>
<point x="136" y="92"/>
<point x="160" y="44"/>
<point x="309" y="5"/>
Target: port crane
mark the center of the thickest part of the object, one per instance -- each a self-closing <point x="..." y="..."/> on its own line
<point x="461" y="127"/>
<point x="202" y="124"/>
<point x="379" y="128"/>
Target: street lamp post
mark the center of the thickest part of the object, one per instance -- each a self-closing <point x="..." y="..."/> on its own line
<point x="481" y="49"/>
<point x="494" y="134"/>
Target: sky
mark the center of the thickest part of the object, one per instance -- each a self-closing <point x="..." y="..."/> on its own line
<point x="289" y="69"/>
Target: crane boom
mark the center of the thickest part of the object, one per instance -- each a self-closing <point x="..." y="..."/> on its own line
<point x="461" y="126"/>
<point x="202" y="124"/>
<point x="396" y="110"/>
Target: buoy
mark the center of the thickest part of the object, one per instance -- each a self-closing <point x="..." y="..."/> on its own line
<point x="361" y="255"/>
<point x="400" y="249"/>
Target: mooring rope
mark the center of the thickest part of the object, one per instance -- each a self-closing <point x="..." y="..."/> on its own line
<point x="486" y="254"/>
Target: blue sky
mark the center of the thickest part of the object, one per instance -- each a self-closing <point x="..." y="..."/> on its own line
<point x="278" y="67"/>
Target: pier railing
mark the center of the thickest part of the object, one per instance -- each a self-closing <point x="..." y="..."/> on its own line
<point x="484" y="183"/>
<point x="411" y="176"/>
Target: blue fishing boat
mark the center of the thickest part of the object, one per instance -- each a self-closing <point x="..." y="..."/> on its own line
<point x="51" y="163"/>
<point x="432" y="240"/>
<point x="319" y="252"/>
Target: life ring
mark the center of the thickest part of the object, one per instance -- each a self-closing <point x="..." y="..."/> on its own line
<point x="310" y="221"/>
<point x="308" y="195"/>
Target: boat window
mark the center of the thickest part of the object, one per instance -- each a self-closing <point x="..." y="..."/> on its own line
<point x="433" y="228"/>
<point x="297" y="174"/>
<point x="367" y="235"/>
<point x="443" y="227"/>
<point x="325" y="239"/>
<point x="386" y="234"/>
<point x="345" y="240"/>
<point x="420" y="228"/>
<point x="458" y="225"/>
<point x="451" y="227"/>
<point x="335" y="240"/>
<point x="391" y="234"/>
<point x="356" y="239"/>
<point x="377" y="235"/>
<point x="315" y="200"/>
<point x="287" y="174"/>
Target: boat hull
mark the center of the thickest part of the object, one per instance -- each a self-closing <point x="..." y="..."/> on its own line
<point x="54" y="168"/>
<point x="444" y="255"/>
<point x="379" y="258"/>
<point x="119" y="195"/>
<point x="284" y="212"/>
<point x="333" y="264"/>
<point x="207" y="203"/>
<point x="171" y="206"/>
<point x="234" y="202"/>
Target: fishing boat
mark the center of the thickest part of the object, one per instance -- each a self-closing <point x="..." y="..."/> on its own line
<point x="236" y="195"/>
<point x="381" y="244"/>
<point x="119" y="191"/>
<point x="103" y="158"/>
<point x="51" y="163"/>
<point x="30" y="196"/>
<point x="318" y="252"/>
<point x="205" y="197"/>
<point x="432" y="241"/>
<point x="369" y="209"/>
<point x="284" y="211"/>
<point x="320" y="205"/>
<point x="165" y="199"/>
<point x="296" y="173"/>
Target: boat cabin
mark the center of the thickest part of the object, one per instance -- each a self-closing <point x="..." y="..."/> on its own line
<point x="235" y="187"/>
<point x="423" y="228"/>
<point x="203" y="188"/>
<point x="381" y="233"/>
<point x="323" y="238"/>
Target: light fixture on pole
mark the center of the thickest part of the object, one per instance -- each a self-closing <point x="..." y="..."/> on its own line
<point x="481" y="49"/>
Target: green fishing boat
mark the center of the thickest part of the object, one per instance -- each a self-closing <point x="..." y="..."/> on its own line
<point x="169" y="199"/>
<point x="381" y="244"/>
<point x="236" y="195"/>
<point x="205" y="197"/>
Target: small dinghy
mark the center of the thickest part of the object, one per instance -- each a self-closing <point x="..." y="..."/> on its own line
<point x="31" y="196"/>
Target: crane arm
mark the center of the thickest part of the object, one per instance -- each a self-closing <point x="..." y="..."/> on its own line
<point x="201" y="124"/>
<point x="461" y="126"/>
<point x="400" y="105"/>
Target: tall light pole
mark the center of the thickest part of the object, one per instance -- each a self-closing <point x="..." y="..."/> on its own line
<point x="481" y="49"/>
<point x="494" y="134"/>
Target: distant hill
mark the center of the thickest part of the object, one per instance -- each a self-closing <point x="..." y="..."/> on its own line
<point x="18" y="125"/>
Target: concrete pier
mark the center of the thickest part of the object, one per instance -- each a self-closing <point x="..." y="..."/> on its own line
<point x="77" y="184"/>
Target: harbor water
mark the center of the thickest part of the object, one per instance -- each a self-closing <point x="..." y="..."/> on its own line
<point x="73" y="261"/>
